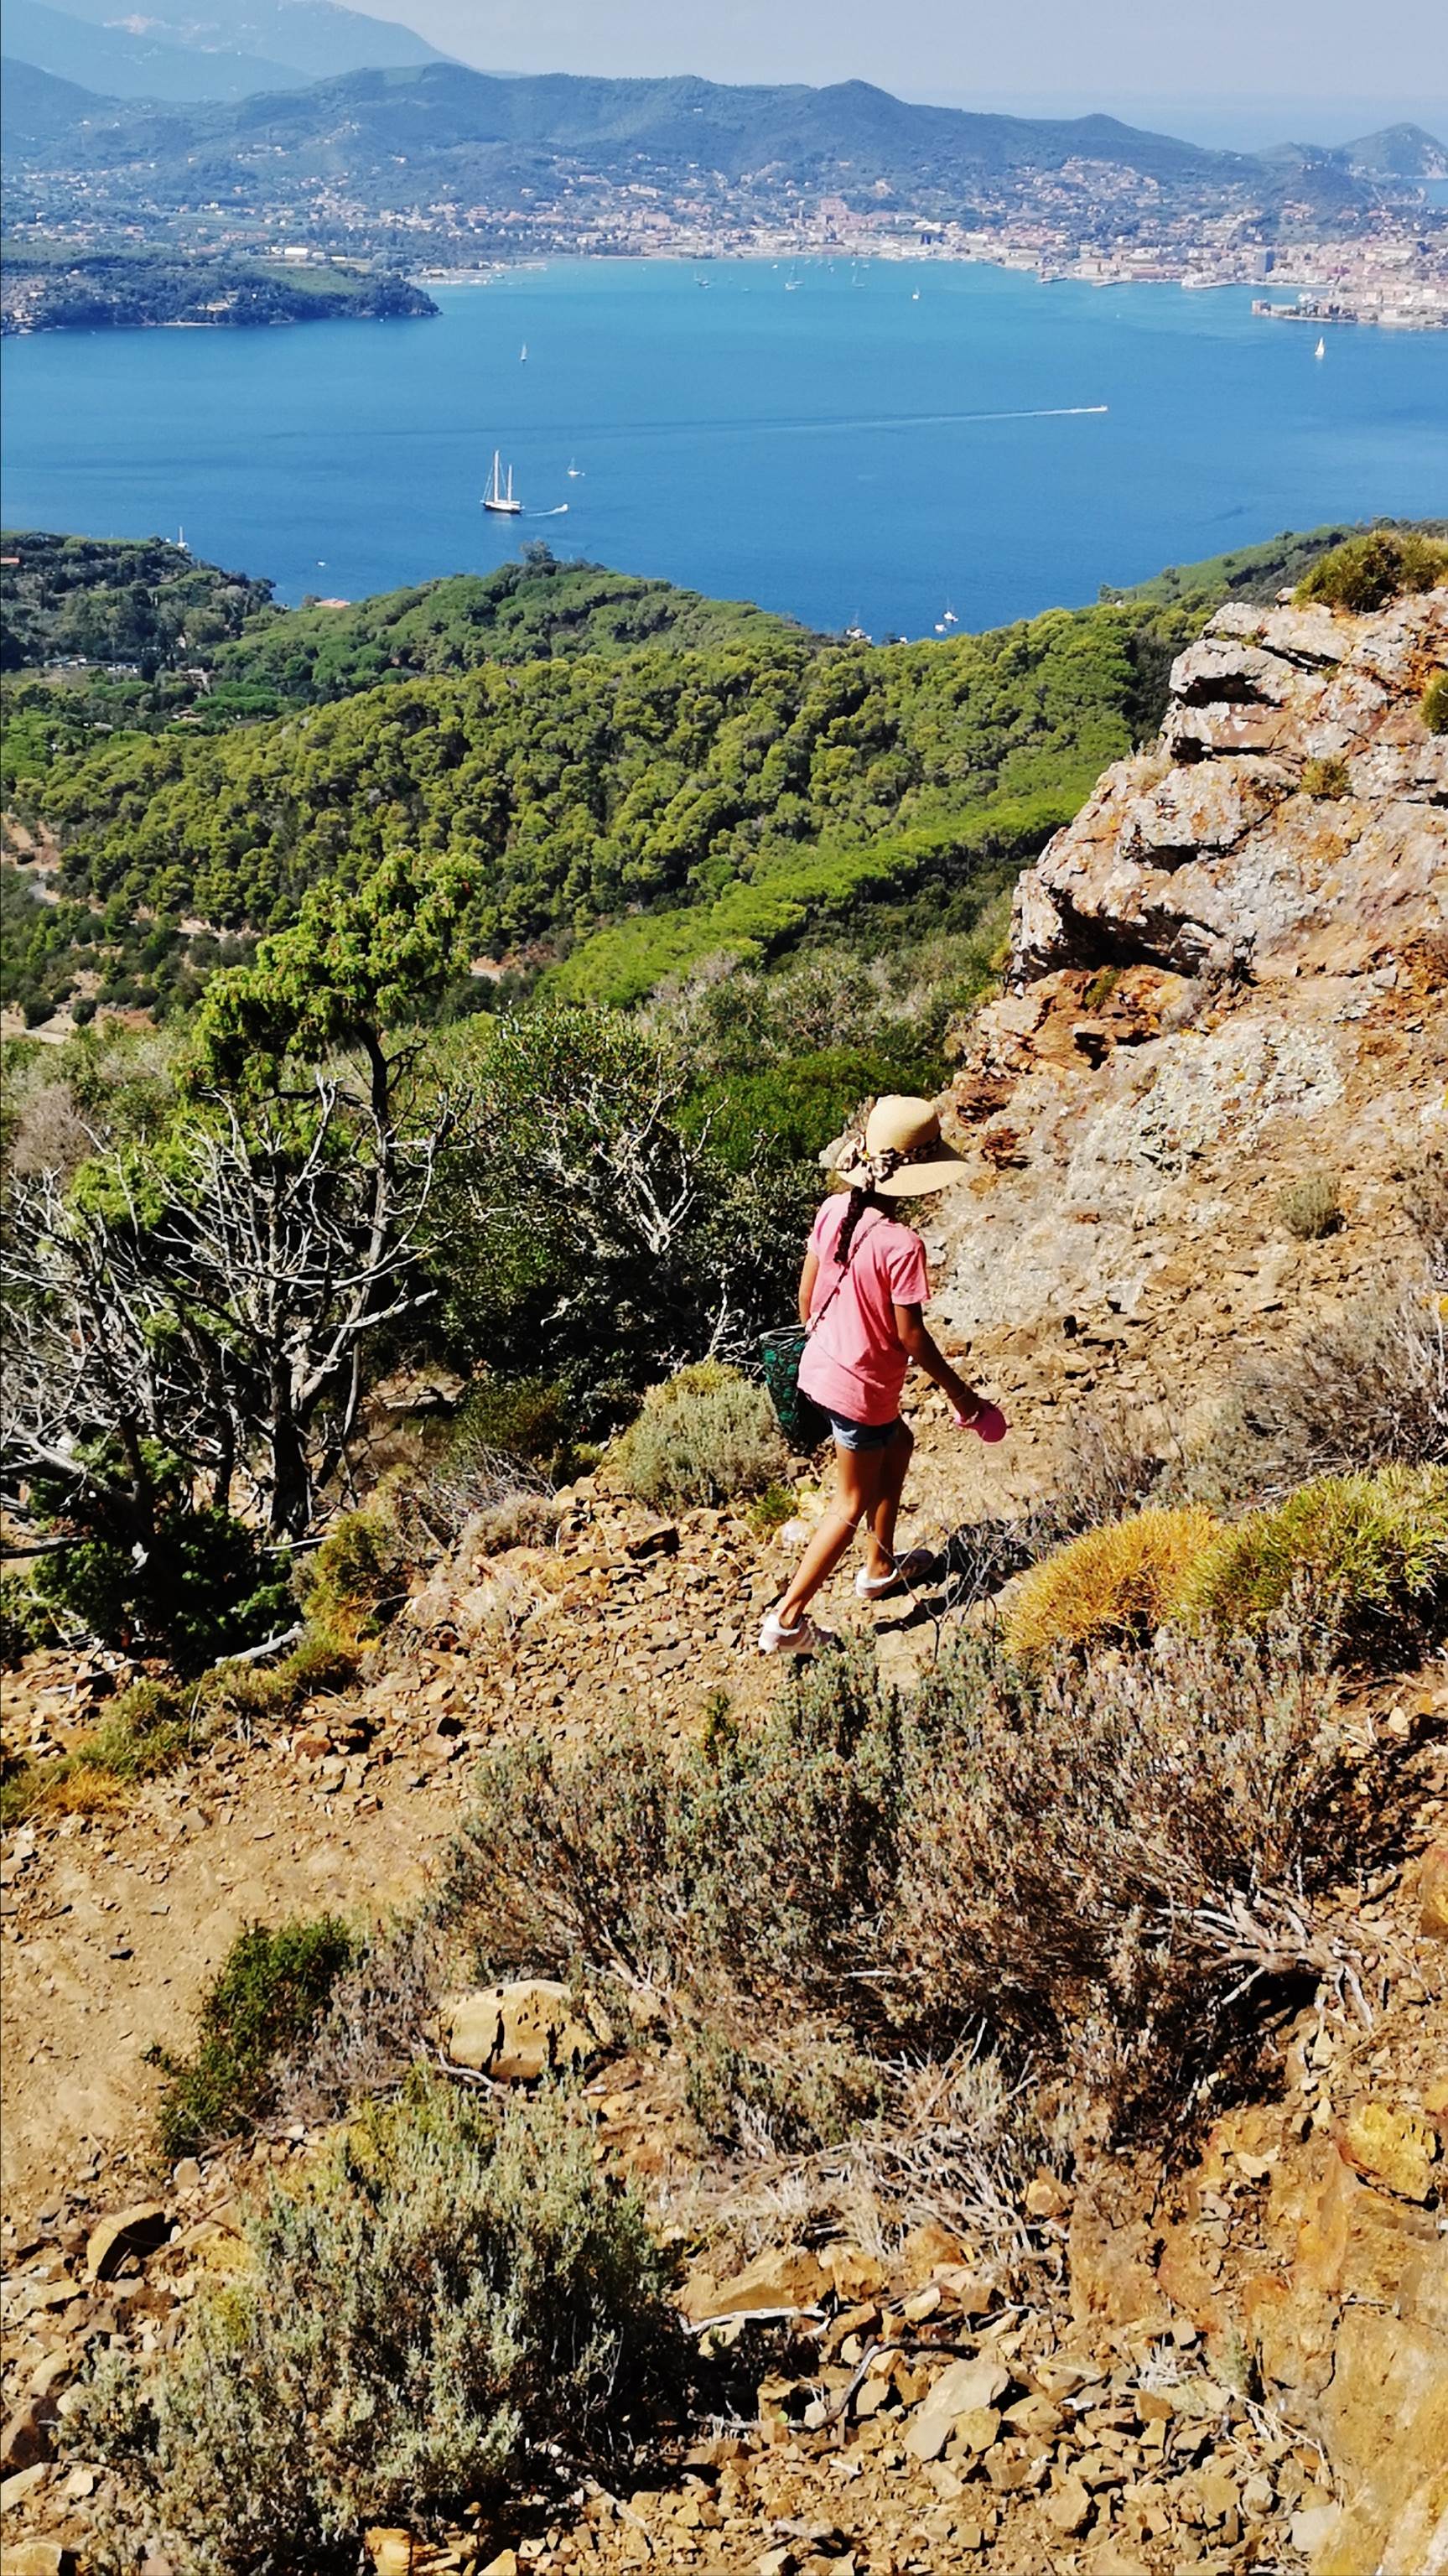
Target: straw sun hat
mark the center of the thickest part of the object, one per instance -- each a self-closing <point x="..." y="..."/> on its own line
<point x="900" y="1155"/>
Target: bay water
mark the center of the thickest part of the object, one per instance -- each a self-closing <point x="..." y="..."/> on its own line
<point x="869" y="443"/>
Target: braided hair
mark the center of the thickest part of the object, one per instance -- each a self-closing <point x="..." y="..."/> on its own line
<point x="861" y="1198"/>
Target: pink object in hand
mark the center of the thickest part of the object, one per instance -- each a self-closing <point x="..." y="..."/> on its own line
<point x="990" y="1422"/>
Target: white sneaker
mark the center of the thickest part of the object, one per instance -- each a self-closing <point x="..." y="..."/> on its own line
<point x="776" y="1639"/>
<point x="904" y="1571"/>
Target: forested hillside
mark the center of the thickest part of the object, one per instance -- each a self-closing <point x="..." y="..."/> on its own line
<point x="116" y="600"/>
<point x="647" y="778"/>
<point x="523" y="612"/>
<point x="594" y="787"/>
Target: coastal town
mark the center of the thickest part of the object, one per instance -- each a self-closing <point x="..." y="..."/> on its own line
<point x="1351" y="235"/>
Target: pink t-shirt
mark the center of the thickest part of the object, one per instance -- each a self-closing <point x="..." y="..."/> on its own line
<point x="853" y="1363"/>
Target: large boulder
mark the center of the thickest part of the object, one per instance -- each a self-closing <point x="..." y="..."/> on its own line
<point x="525" y="2029"/>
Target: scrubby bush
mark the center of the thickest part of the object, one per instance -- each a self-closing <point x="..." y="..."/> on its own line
<point x="1358" y="1551"/>
<point x="509" y="1446"/>
<point x="271" y="1987"/>
<point x="1119" y="1581"/>
<point x="707" y="1435"/>
<point x="451" y="2303"/>
<point x="1076" y="1866"/>
<point x="1435" y="703"/>
<point x="1369" y="570"/>
<point x="1103" y="1465"/>
<point x="1311" y="1206"/>
<point x="1367" y="1388"/>
<point x="1326" y="779"/>
<point x="736" y="1867"/>
<point x="1092" y="1871"/>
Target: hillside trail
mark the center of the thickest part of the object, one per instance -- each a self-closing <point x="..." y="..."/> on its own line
<point x="115" y="1924"/>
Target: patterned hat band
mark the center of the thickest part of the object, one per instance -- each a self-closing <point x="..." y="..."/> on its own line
<point x="866" y="1171"/>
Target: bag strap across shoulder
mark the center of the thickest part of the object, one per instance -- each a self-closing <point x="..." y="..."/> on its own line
<point x="860" y="1233"/>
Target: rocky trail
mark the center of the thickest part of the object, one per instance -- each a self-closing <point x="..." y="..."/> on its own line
<point x="1231" y="970"/>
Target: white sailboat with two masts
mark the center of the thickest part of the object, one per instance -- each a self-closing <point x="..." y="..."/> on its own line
<point x="499" y="495"/>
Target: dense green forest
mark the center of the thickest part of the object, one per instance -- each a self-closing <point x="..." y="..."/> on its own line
<point x="593" y="787"/>
<point x="637" y="778"/>
<point x="524" y="612"/>
<point x="110" y="599"/>
<point x="56" y="286"/>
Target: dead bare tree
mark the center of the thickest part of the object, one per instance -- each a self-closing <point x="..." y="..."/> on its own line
<point x="212" y="1305"/>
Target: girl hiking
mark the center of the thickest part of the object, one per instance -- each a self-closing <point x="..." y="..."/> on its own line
<point x="861" y="1292"/>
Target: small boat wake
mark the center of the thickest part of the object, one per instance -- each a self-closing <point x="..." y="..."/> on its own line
<point x="559" y="511"/>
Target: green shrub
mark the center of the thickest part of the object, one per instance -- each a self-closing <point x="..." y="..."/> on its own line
<point x="271" y="1988"/>
<point x="1326" y="778"/>
<point x="202" y="1588"/>
<point x="1435" y="703"/>
<point x="707" y="1435"/>
<point x="361" y="1569"/>
<point x="1369" y="570"/>
<point x="26" y="1621"/>
<point x="1361" y="1551"/>
<point x="319" y="1661"/>
<point x="770" y="1510"/>
<point x="454" y="2303"/>
<point x="1311" y="1206"/>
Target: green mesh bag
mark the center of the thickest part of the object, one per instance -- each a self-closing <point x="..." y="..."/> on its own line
<point x="800" y="1418"/>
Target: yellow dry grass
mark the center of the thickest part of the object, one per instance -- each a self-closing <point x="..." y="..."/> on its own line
<point x="1119" y="1581"/>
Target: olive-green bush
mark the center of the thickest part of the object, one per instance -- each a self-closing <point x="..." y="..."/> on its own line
<point x="450" y="2303"/>
<point x="1370" y="570"/>
<point x="1356" y="1551"/>
<point x="1311" y="1206"/>
<point x="707" y="1435"/>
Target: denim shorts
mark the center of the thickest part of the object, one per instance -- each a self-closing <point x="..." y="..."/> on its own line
<point x="860" y="1435"/>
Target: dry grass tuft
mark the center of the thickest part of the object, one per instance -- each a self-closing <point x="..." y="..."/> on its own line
<point x="1114" y="1583"/>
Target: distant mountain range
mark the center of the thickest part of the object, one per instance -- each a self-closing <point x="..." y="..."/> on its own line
<point x="439" y="131"/>
<point x="239" y="48"/>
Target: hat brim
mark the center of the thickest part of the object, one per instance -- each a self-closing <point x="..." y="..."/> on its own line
<point x="916" y="1180"/>
<point x="912" y="1180"/>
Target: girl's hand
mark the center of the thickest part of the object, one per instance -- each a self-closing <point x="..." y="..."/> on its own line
<point x="987" y="1421"/>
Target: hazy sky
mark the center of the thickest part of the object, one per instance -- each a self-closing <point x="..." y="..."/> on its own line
<point x="1037" y="55"/>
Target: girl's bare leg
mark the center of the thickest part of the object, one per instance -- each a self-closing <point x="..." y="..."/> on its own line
<point x="857" y="1489"/>
<point x="894" y="1468"/>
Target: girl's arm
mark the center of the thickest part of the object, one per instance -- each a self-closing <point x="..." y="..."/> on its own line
<point x="807" y="1278"/>
<point x="916" y="1342"/>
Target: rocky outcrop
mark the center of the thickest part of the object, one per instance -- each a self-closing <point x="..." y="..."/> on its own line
<point x="1231" y="965"/>
<point x="1222" y="850"/>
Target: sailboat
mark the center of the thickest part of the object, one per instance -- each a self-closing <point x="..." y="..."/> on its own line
<point x="1321" y="349"/>
<point x="499" y="496"/>
<point x="575" y="472"/>
<point x="523" y="355"/>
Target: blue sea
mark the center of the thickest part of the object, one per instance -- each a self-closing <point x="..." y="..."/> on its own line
<point x="872" y="443"/>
